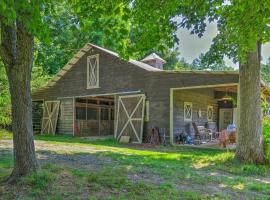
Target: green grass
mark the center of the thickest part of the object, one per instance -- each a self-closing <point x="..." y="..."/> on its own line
<point x="6" y="163"/>
<point x="5" y="135"/>
<point x="134" y="172"/>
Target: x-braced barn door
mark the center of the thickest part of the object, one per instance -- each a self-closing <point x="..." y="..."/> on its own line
<point x="50" y="116"/>
<point x="130" y="117"/>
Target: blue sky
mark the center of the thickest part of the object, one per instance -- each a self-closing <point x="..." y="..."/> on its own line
<point x="191" y="46"/>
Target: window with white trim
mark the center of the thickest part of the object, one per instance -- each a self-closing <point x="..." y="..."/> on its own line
<point x="210" y="113"/>
<point x="187" y="111"/>
<point x="93" y="71"/>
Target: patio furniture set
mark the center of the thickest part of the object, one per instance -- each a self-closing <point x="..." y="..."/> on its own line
<point x="208" y="134"/>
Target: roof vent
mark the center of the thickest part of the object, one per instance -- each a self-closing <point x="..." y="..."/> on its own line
<point x="154" y="60"/>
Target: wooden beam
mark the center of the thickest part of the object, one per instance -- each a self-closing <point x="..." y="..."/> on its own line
<point x="171" y="116"/>
<point x="205" y="86"/>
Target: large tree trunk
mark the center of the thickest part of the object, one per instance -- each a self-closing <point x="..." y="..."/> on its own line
<point x="17" y="55"/>
<point x="249" y="142"/>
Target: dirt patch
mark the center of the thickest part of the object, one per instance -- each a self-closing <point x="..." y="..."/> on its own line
<point x="89" y="158"/>
<point x="147" y="178"/>
<point x="69" y="187"/>
<point x="87" y="161"/>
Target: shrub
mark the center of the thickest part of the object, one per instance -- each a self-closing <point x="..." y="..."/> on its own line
<point x="266" y="135"/>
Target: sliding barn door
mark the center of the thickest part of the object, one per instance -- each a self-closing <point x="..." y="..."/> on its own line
<point x="50" y="117"/>
<point x="130" y="117"/>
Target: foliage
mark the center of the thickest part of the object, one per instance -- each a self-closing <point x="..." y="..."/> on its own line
<point x="5" y="108"/>
<point x="132" y="27"/>
<point x="205" y="62"/>
<point x="266" y="135"/>
<point x="265" y="104"/>
<point x="117" y="25"/>
<point x="5" y="135"/>
<point x="39" y="78"/>
<point x="69" y="33"/>
<point x="265" y="72"/>
<point x="20" y="11"/>
<point x="241" y="25"/>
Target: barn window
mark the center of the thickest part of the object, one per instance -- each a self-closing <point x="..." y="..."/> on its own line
<point x="104" y="114"/>
<point x="92" y="113"/>
<point x="187" y="111"/>
<point x="210" y="113"/>
<point x="93" y="71"/>
<point x="112" y="114"/>
<point x="80" y="113"/>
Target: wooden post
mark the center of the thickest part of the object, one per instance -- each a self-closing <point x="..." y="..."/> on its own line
<point x="171" y="115"/>
<point x="238" y="109"/>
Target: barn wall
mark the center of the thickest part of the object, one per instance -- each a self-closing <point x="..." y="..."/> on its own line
<point x="116" y="76"/>
<point x="65" y="118"/>
<point x="200" y="98"/>
<point x="119" y="76"/>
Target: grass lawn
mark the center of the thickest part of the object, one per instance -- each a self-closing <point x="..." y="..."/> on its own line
<point x="75" y="168"/>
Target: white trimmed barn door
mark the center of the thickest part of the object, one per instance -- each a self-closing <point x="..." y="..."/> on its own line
<point x="130" y="117"/>
<point x="50" y="117"/>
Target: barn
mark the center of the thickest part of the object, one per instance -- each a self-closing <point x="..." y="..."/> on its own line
<point x="97" y="93"/>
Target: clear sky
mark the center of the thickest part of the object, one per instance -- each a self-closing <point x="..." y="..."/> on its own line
<point x="191" y="46"/>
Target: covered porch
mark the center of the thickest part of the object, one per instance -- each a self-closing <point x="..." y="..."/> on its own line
<point x="202" y="112"/>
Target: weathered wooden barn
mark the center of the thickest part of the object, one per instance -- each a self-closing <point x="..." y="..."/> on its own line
<point x="97" y="93"/>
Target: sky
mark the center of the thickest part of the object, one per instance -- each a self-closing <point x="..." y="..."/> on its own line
<point x="191" y="46"/>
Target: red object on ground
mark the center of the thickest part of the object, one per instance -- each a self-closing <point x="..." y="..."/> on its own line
<point x="224" y="138"/>
<point x="77" y="129"/>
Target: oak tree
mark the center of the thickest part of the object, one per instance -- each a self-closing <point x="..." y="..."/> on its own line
<point x="243" y="26"/>
<point x="131" y="27"/>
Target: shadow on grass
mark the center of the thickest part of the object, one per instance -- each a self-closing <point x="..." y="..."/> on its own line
<point x="113" y="169"/>
<point x="164" y="157"/>
<point x="68" y="139"/>
<point x="163" y="160"/>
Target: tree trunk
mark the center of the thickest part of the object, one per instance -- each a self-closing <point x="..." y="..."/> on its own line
<point x="17" y="55"/>
<point x="249" y="142"/>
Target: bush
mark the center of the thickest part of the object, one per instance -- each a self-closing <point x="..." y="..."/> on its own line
<point x="266" y="136"/>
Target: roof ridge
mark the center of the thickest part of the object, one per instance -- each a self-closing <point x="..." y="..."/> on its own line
<point x="132" y="61"/>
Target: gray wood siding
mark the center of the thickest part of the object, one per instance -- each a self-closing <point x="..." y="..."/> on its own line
<point x="200" y="98"/>
<point x="118" y="76"/>
<point x="65" y="118"/>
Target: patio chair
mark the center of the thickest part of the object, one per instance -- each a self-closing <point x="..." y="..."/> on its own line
<point x="201" y="133"/>
<point x="212" y="128"/>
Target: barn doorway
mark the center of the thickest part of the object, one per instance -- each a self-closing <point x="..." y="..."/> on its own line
<point x="37" y="110"/>
<point x="94" y="116"/>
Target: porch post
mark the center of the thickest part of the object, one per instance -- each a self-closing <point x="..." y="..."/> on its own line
<point x="238" y="108"/>
<point x="74" y="113"/>
<point x="171" y="115"/>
